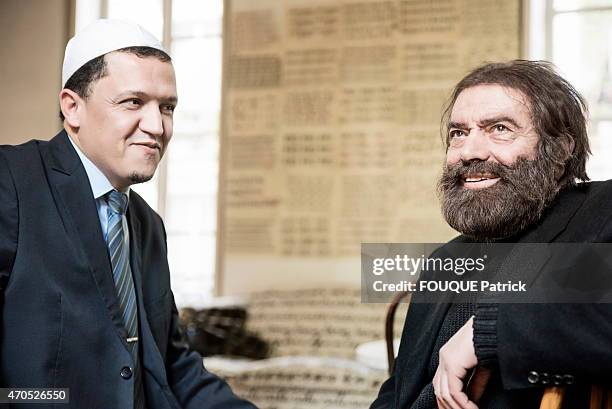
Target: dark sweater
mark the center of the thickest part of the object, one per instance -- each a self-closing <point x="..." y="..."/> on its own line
<point x="457" y="316"/>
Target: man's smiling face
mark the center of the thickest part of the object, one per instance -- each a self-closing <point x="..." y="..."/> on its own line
<point x="125" y="125"/>
<point x="495" y="183"/>
<point x="489" y="123"/>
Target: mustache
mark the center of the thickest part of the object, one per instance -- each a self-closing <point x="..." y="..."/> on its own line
<point x="510" y="176"/>
<point x="455" y="173"/>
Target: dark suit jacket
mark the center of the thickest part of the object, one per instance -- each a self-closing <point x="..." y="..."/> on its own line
<point x="60" y="324"/>
<point x="564" y="339"/>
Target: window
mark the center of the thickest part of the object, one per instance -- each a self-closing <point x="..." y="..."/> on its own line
<point x="576" y="35"/>
<point x="184" y="190"/>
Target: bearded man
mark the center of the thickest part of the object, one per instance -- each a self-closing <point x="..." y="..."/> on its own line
<point x="516" y="150"/>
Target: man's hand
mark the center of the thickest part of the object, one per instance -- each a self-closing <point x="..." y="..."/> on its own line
<point x="456" y="358"/>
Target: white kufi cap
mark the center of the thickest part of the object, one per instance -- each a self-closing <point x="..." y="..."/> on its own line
<point x="101" y="37"/>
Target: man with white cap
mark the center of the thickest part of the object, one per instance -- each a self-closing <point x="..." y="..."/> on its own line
<point x="84" y="280"/>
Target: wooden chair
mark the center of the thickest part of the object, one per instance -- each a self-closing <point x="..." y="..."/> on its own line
<point x="551" y="399"/>
<point x="389" y="320"/>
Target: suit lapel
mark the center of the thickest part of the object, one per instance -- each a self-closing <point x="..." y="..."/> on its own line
<point x="526" y="261"/>
<point x="79" y="213"/>
<point x="556" y="218"/>
<point x="152" y="360"/>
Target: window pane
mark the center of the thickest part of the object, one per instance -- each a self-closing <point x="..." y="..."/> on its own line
<point x="196" y="18"/>
<point x="198" y="70"/>
<point x="86" y="12"/>
<point x="147" y="13"/>
<point x="193" y="162"/>
<point x="565" y="5"/>
<point x="598" y="167"/>
<point x="193" y="158"/>
<point x="191" y="213"/>
<point x="582" y="45"/>
<point x="192" y="263"/>
<point x="582" y="49"/>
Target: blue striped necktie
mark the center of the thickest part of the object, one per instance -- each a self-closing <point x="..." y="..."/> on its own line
<point x="118" y="242"/>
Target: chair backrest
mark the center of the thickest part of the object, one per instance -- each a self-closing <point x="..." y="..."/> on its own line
<point x="389" y="322"/>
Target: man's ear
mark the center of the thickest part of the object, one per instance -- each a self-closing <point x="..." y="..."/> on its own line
<point x="71" y="105"/>
<point x="565" y="149"/>
<point x="567" y="142"/>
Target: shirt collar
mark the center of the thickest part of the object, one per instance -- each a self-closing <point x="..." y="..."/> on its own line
<point x="99" y="183"/>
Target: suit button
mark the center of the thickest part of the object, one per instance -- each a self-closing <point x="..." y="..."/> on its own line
<point x="126" y="372"/>
<point x="533" y="377"/>
<point x="544" y="378"/>
<point x="557" y="379"/>
<point x="568" y="379"/>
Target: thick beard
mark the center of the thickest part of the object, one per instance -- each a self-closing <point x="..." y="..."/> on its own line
<point x="518" y="199"/>
<point x="139" y="178"/>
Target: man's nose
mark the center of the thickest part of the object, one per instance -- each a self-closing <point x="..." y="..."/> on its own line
<point x="151" y="121"/>
<point x="475" y="146"/>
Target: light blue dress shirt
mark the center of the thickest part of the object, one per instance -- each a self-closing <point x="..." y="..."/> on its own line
<point x="100" y="186"/>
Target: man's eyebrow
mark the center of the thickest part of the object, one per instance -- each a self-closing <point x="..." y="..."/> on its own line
<point x="172" y="99"/>
<point x="497" y="119"/>
<point x="484" y="123"/>
<point x="458" y="125"/>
